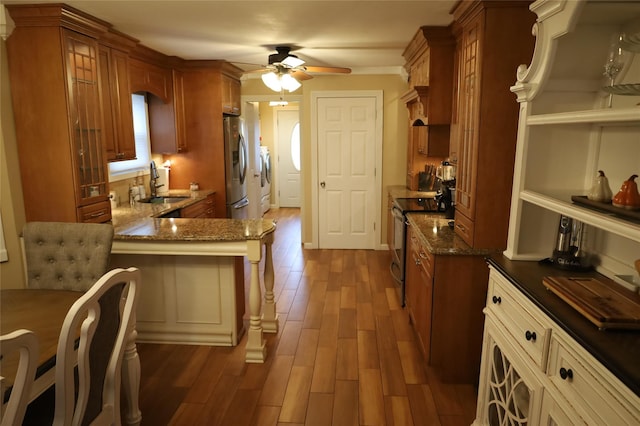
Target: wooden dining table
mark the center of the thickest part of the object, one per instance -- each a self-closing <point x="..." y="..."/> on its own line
<point x="43" y="312"/>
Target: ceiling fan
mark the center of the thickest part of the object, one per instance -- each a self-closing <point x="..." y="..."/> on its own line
<point x="285" y="70"/>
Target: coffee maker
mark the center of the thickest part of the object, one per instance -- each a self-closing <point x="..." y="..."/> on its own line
<point x="568" y="252"/>
<point x="446" y="193"/>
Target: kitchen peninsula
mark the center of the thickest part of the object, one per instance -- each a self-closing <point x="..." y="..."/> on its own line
<point x="190" y="291"/>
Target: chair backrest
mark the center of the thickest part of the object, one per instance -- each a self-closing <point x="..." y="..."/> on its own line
<point x="102" y="318"/>
<point x="66" y="256"/>
<point x="26" y="344"/>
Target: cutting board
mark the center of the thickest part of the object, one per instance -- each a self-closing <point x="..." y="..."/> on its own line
<point x="601" y="301"/>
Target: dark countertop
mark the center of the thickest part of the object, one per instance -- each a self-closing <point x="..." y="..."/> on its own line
<point x="140" y="222"/>
<point x="617" y="350"/>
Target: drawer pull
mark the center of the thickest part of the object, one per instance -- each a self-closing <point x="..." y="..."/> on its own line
<point x="566" y="373"/>
<point x="530" y="336"/>
<point x="496" y="299"/>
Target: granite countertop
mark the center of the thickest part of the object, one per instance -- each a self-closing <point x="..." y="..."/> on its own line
<point x="397" y="191"/>
<point x="434" y="230"/>
<point x="141" y="222"/>
<point x="126" y="213"/>
<point x="440" y="238"/>
<point x="617" y="350"/>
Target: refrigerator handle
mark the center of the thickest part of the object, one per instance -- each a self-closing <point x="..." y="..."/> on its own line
<point x="241" y="204"/>
<point x="242" y="148"/>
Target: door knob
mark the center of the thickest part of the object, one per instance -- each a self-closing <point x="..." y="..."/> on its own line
<point x="322" y="184"/>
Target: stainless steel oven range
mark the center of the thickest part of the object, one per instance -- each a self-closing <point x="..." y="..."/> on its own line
<point x="398" y="243"/>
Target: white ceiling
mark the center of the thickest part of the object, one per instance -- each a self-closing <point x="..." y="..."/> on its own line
<point x="356" y="34"/>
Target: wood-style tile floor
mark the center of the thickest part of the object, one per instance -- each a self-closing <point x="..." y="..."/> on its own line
<point x="345" y="354"/>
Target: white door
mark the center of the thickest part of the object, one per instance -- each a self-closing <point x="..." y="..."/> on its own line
<point x="251" y="132"/>
<point x="288" y="169"/>
<point x="346" y="143"/>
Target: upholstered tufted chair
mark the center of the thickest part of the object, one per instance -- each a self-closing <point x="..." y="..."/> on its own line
<point x="66" y="256"/>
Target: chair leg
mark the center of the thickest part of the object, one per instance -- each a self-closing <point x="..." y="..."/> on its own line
<point x="131" y="379"/>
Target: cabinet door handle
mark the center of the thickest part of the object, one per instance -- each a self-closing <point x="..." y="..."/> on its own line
<point x="496" y="299"/>
<point x="566" y="373"/>
<point x="530" y="336"/>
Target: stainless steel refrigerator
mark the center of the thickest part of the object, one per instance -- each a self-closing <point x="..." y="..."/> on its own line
<point x="236" y="157"/>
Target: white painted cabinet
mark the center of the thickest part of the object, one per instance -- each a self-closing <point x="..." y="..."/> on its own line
<point x="532" y="372"/>
<point x="567" y="131"/>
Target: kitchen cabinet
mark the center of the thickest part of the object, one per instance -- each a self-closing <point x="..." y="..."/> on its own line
<point x="444" y="298"/>
<point x="429" y="62"/>
<point x="203" y="162"/>
<point x="492" y="40"/>
<point x="151" y="78"/>
<point x="55" y="86"/>
<point x="119" y="137"/>
<point x="534" y="373"/>
<point x="230" y="95"/>
<point x="164" y="85"/>
<point x="202" y="209"/>
<point x="419" y="290"/>
<point x="568" y="133"/>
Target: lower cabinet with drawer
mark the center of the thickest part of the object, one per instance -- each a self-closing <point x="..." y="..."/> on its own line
<point x="444" y="296"/>
<point x="532" y="372"/>
<point x="202" y="209"/>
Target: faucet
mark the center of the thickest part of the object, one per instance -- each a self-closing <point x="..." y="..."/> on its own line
<point x="153" y="180"/>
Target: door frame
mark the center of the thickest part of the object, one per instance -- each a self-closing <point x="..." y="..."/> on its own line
<point x="315" y="223"/>
<point x="276" y="151"/>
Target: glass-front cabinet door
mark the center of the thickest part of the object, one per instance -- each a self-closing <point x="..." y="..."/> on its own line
<point x="510" y="391"/>
<point x="85" y="116"/>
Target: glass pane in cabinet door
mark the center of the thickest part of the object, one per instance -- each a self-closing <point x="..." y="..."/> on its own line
<point x="84" y="101"/>
<point x="509" y="395"/>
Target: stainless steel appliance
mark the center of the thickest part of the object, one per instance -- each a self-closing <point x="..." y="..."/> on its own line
<point x="236" y="156"/>
<point x="568" y="252"/>
<point x="398" y="243"/>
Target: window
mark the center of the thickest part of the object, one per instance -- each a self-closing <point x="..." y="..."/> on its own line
<point x="127" y="169"/>
<point x="295" y="146"/>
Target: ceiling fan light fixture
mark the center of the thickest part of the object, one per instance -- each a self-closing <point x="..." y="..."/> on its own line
<point x="272" y="81"/>
<point x="280" y="82"/>
<point x="289" y="83"/>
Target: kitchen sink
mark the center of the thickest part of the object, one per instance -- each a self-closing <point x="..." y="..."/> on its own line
<point x="163" y="200"/>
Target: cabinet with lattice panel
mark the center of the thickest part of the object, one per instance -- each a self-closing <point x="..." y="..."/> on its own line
<point x="55" y="87"/>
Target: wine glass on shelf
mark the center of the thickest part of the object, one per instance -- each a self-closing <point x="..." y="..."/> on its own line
<point x="615" y="62"/>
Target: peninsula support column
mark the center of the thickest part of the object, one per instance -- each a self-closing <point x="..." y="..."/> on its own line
<point x="256" y="350"/>
<point x="269" y="314"/>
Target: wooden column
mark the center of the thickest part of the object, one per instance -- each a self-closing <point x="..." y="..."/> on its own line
<point x="269" y="314"/>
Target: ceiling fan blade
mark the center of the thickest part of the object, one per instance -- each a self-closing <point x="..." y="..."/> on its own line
<point x="300" y="75"/>
<point x="328" y="69"/>
<point x="265" y="69"/>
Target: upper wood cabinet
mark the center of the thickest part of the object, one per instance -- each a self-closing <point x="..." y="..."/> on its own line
<point x="493" y="39"/>
<point x="55" y="86"/>
<point x="230" y="95"/>
<point x="165" y="99"/>
<point x="119" y="138"/>
<point x="147" y="77"/>
<point x="429" y="58"/>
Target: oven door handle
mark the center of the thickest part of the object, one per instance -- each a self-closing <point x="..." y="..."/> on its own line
<point x="393" y="268"/>
<point x="397" y="212"/>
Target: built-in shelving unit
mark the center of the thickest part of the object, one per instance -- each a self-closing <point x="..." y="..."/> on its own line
<point x="568" y="131"/>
